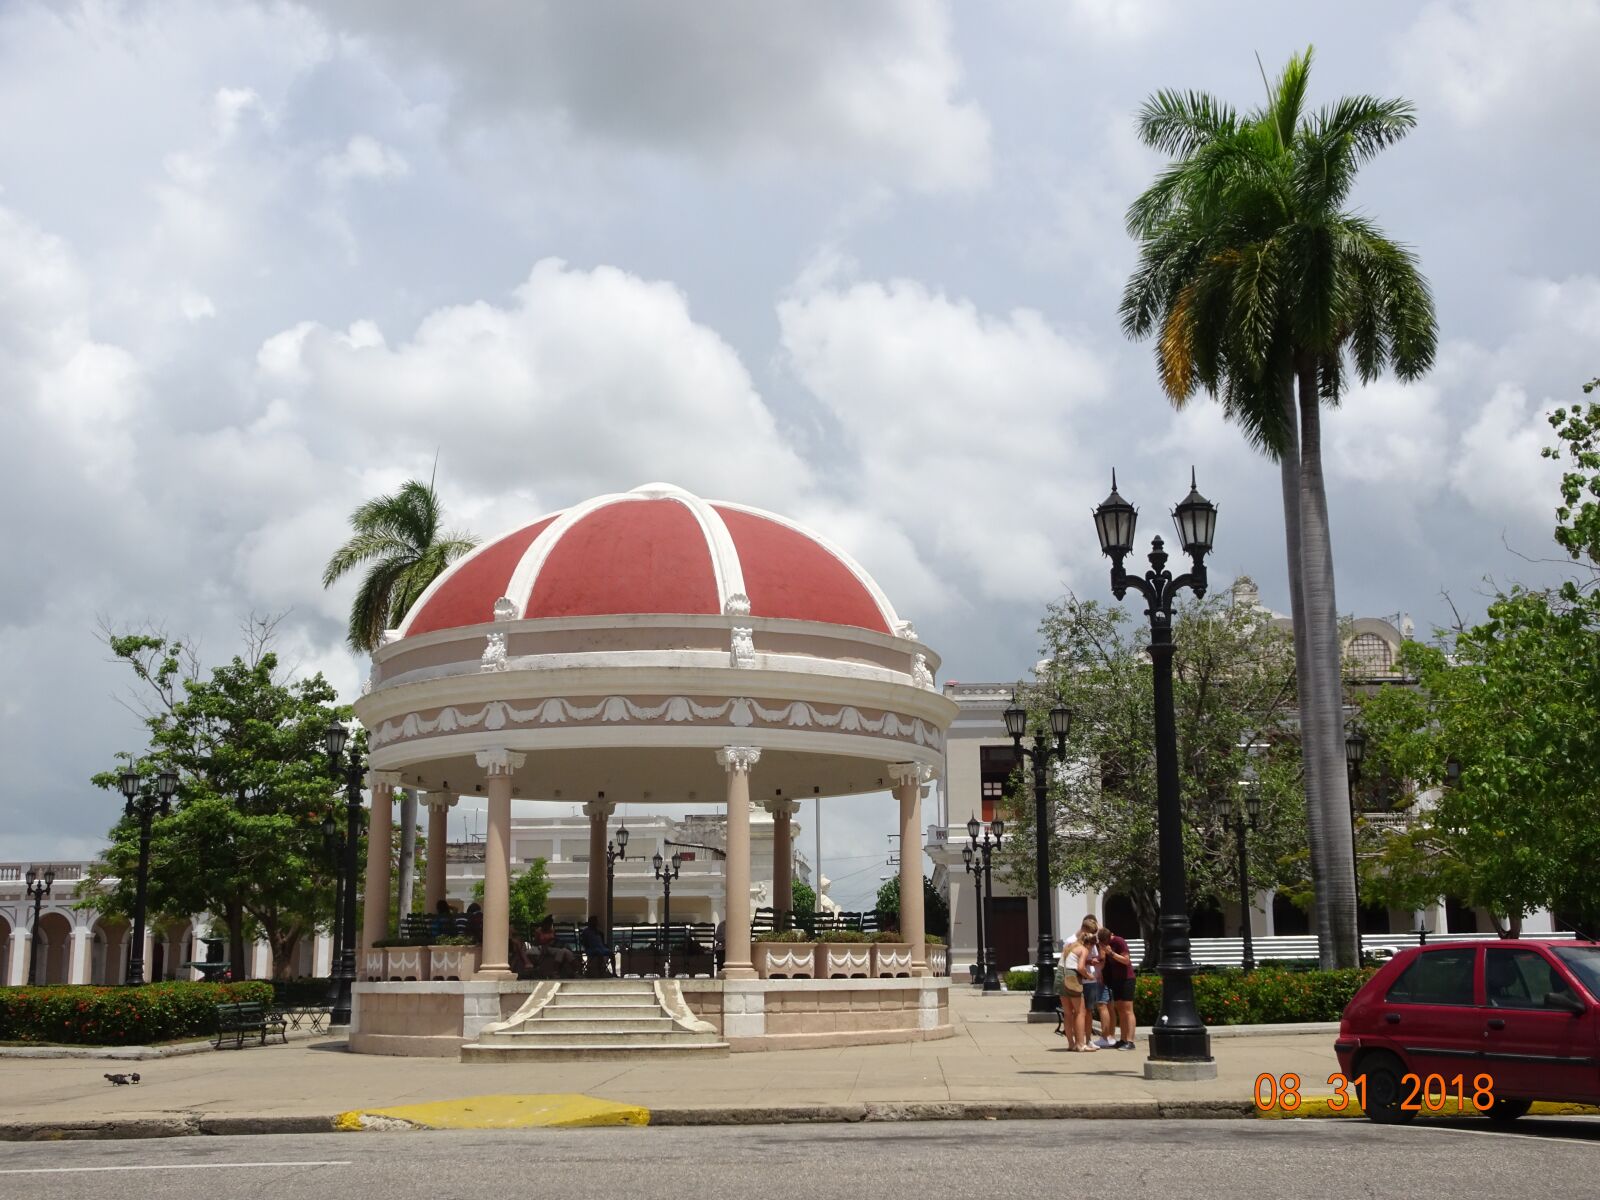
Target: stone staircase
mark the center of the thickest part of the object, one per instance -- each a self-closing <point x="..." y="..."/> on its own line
<point x="580" y="1019"/>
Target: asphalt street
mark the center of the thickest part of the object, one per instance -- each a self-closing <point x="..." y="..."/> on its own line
<point x="1549" y="1158"/>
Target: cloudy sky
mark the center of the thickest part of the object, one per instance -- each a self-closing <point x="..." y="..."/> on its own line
<point x="858" y="263"/>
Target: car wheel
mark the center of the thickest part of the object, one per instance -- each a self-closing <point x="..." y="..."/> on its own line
<point x="1505" y="1110"/>
<point x="1385" y="1089"/>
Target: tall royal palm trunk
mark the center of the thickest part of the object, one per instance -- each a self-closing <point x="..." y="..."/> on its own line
<point x="1323" y="739"/>
<point x="1305" y="689"/>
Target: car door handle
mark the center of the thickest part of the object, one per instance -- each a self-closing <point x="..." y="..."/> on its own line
<point x="1391" y="1018"/>
<point x="1496" y="1023"/>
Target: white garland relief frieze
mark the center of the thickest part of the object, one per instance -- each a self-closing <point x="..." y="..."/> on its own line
<point x="739" y="712"/>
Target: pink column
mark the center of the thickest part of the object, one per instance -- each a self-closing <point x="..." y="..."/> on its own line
<point x="737" y="761"/>
<point x="498" y="763"/>
<point x="598" y="812"/>
<point x="909" y="778"/>
<point x="380" y="837"/>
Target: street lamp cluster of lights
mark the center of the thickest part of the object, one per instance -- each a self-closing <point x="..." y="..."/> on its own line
<point x="976" y="854"/>
<point x="347" y="769"/>
<point x="1042" y="754"/>
<point x="39" y="885"/>
<point x="616" y="851"/>
<point x="144" y="806"/>
<point x="1179" y="1035"/>
<point x="1251" y="816"/>
<point x="666" y="871"/>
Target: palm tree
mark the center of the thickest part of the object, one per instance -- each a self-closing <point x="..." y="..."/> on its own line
<point x="397" y="537"/>
<point x="1261" y="287"/>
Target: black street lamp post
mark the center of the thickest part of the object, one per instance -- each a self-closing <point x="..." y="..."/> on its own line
<point x="1355" y="749"/>
<point x="139" y="805"/>
<point x="1179" y="1036"/>
<point x="615" y="852"/>
<point x="335" y="738"/>
<point x="666" y="871"/>
<point x="1251" y="787"/>
<point x="978" y="857"/>
<point x="1041" y="754"/>
<point x="39" y="885"/>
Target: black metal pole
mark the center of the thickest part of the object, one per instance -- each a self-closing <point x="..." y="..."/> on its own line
<point x="611" y="874"/>
<point x="1180" y="1035"/>
<point x="1355" y="864"/>
<point x="1244" y="897"/>
<point x="347" y="951"/>
<point x="991" y="973"/>
<point x="33" y="941"/>
<point x="337" y="931"/>
<point x="141" y="886"/>
<point x="1044" y="992"/>
<point x="666" y="922"/>
<point x="976" y="871"/>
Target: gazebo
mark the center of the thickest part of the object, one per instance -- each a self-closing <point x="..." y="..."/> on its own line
<point x="650" y="647"/>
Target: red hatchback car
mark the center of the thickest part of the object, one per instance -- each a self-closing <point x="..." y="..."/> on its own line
<point x="1517" y="1020"/>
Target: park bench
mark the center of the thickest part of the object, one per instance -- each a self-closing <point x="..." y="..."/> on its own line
<point x="236" y="1020"/>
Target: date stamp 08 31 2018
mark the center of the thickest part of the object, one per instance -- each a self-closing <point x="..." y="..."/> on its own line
<point x="1423" y="1093"/>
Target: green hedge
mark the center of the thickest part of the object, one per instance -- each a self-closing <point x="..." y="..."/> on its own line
<point x="120" y="1016"/>
<point x="1265" y="996"/>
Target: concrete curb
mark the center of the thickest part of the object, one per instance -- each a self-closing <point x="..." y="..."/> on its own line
<point x="230" y="1124"/>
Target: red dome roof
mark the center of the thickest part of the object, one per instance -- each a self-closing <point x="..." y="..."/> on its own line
<point x="658" y="550"/>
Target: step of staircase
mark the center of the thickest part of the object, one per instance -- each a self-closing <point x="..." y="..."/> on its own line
<point x="595" y="1019"/>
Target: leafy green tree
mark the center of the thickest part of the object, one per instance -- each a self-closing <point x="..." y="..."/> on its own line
<point x="935" y="908"/>
<point x="805" y="901"/>
<point x="529" y="897"/>
<point x="1233" y="690"/>
<point x="1261" y="285"/>
<point x="244" y="841"/>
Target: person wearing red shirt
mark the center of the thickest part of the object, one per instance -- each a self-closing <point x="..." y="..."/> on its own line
<point x="1118" y="972"/>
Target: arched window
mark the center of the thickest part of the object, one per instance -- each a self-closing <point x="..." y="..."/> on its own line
<point x="1371" y="655"/>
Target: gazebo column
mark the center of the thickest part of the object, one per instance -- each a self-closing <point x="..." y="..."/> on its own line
<point x="436" y="884"/>
<point x="380" y="837"/>
<point x="782" y="858"/>
<point x="737" y="761"/>
<point x="499" y="763"/>
<point x="598" y="812"/>
<point x="909" y="778"/>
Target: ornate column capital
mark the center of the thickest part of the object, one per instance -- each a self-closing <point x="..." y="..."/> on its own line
<point x="737" y="760"/>
<point x="497" y="760"/>
<point x="440" y="799"/>
<point x="600" y="808"/>
<point x="388" y="779"/>
<point x="781" y="808"/>
<point x="910" y="772"/>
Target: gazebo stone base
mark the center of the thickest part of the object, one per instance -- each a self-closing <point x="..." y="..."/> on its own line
<point x="441" y="1019"/>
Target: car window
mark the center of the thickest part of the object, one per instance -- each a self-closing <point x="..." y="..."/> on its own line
<point x="1436" y="977"/>
<point x="1584" y="962"/>
<point x="1519" y="978"/>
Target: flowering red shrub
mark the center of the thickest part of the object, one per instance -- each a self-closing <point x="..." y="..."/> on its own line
<point x="120" y="1016"/>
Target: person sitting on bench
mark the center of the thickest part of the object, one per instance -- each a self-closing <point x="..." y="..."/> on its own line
<point x="597" y="954"/>
<point x="550" y="960"/>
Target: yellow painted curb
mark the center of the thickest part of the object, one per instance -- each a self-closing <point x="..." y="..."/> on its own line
<point x="557" y="1110"/>
<point x="1316" y="1107"/>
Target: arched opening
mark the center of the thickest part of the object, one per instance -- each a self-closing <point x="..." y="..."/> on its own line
<point x="1459" y="916"/>
<point x="55" y="947"/>
<point x="1288" y="919"/>
<point x="1205" y="920"/>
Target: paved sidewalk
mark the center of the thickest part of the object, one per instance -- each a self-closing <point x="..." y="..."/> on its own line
<point x="996" y="1061"/>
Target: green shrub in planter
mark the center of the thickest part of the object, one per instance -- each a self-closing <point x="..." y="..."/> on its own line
<point x="120" y="1016"/>
<point x="799" y="936"/>
<point x="382" y="943"/>
<point x="1020" y="981"/>
<point x="932" y="939"/>
<point x="845" y="936"/>
<point x="1267" y="996"/>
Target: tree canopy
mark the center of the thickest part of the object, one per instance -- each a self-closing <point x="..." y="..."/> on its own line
<point x="244" y="840"/>
<point x="1233" y="686"/>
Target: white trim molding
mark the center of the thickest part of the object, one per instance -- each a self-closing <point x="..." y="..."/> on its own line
<point x="737" y="760"/>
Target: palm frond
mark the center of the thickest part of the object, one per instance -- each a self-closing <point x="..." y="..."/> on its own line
<point x="1178" y="123"/>
<point x="1366" y="123"/>
<point x="1289" y="98"/>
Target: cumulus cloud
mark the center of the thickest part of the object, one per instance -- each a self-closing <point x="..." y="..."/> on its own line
<point x="876" y="85"/>
<point x="363" y="158"/>
<point x="937" y="398"/>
